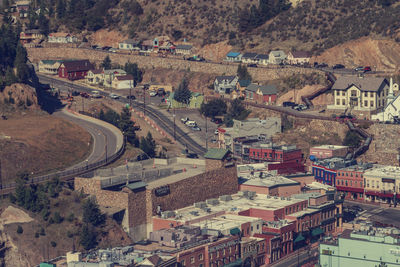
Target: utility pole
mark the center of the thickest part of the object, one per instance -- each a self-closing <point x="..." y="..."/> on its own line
<point x="83" y="104"/>
<point x="1" y="178"/>
<point x="174" y="125"/>
<point x="144" y="100"/>
<point x="130" y="94"/>
<point x="206" y="133"/>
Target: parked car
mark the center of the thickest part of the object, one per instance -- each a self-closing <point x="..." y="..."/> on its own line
<point x="196" y="128"/>
<point x="191" y="123"/>
<point x="113" y="50"/>
<point x="252" y="65"/>
<point x="338" y="66"/>
<point x="114" y="96"/>
<point x="213" y="141"/>
<point x="161" y="91"/>
<point x="367" y="68"/>
<point x="152" y="93"/>
<point x="192" y="155"/>
<point x="75" y="93"/>
<point x="288" y="104"/>
<point x="359" y="68"/>
<point x="216" y="120"/>
<point x="85" y="95"/>
<point x="216" y="132"/>
<point x="131" y="97"/>
<point x="184" y="120"/>
<point x="96" y="94"/>
<point x="300" y="107"/>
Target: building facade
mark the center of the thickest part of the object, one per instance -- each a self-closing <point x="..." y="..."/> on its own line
<point x="74" y="69"/>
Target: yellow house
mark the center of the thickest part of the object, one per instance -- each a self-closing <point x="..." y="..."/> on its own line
<point x="359" y="93"/>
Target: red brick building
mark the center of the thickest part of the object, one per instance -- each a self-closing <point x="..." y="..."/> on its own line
<point x="285" y="230"/>
<point x="350" y="181"/>
<point x="74" y="70"/>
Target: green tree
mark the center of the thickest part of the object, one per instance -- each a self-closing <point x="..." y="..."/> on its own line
<point x="183" y="94"/>
<point x="133" y="69"/>
<point x="148" y="145"/>
<point x="215" y="107"/>
<point x="243" y="73"/>
<point x="236" y="111"/>
<point x="43" y="23"/>
<point x="92" y="213"/>
<point x="128" y="127"/>
<point x="60" y="9"/>
<point x="87" y="237"/>
<point x="106" y="64"/>
<point x="352" y="139"/>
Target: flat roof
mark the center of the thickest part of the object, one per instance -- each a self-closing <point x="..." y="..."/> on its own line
<point x="391" y="172"/>
<point x="238" y="203"/>
<point x="267" y="180"/>
<point x="333" y="147"/>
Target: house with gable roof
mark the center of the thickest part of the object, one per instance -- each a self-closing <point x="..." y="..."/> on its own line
<point x="262" y="59"/>
<point x="225" y="84"/>
<point x="299" y="57"/>
<point x="61" y="38"/>
<point x="277" y="57"/>
<point x="234" y="57"/>
<point x="123" y="82"/>
<point x="74" y="69"/>
<point x="261" y="94"/>
<point x="48" y="66"/>
<point x="129" y="44"/>
<point x="249" y="58"/>
<point x="391" y="112"/>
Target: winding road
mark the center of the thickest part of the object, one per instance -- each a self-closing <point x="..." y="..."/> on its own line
<point x="162" y="120"/>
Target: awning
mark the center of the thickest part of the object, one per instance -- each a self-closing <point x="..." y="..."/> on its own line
<point x="299" y="238"/>
<point x="235" y="263"/>
<point x="317" y="231"/>
<point x="350" y="189"/>
<point x="235" y="231"/>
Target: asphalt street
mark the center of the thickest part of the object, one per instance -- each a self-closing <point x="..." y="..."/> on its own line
<point x="297" y="259"/>
<point x="105" y="141"/>
<point x="164" y="121"/>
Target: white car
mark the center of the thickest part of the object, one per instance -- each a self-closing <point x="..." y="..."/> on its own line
<point x="114" y="96"/>
<point x="216" y="132"/>
<point x="152" y="93"/>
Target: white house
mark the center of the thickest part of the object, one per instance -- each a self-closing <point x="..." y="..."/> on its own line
<point x="299" y="57"/>
<point x="262" y="59"/>
<point x="109" y="75"/>
<point x="49" y="66"/>
<point x="392" y="109"/>
<point x="129" y="44"/>
<point x="277" y="57"/>
<point x="62" y="38"/>
<point x="123" y="82"/>
<point x="225" y="84"/>
<point x="249" y="58"/>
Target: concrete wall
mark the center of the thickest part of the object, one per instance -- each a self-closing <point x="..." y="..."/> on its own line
<point x="151" y="62"/>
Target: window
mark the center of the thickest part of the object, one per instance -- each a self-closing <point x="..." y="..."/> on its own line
<point x="252" y="228"/>
<point x="258" y="226"/>
<point x="343" y="93"/>
<point x="365" y="103"/>
<point x="201" y="257"/>
<point x="343" y="102"/>
<point x="191" y="259"/>
<point x="353" y="93"/>
<point x="338" y="102"/>
<point x="371" y="94"/>
<point x="372" y="104"/>
<point x="366" y="94"/>
<point x="211" y="256"/>
<point x="338" y="92"/>
<point x="201" y="265"/>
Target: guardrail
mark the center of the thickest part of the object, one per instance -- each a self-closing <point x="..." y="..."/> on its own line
<point x="67" y="174"/>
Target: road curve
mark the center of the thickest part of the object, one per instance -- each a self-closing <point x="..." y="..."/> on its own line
<point x="107" y="139"/>
<point x="163" y="121"/>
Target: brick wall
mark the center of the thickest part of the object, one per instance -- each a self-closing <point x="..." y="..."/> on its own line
<point x="211" y="184"/>
<point x="150" y="62"/>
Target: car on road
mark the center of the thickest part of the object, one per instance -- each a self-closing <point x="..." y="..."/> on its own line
<point x="96" y="94"/>
<point x="367" y="68"/>
<point x="321" y="65"/>
<point x="300" y="107"/>
<point x="359" y="68"/>
<point x="75" y="93"/>
<point x="213" y="141"/>
<point x="85" y="95"/>
<point x="184" y="120"/>
<point x="288" y="104"/>
<point x="161" y="91"/>
<point x="216" y="120"/>
<point x="191" y="123"/>
<point x="131" y="97"/>
<point x="192" y="155"/>
<point x="113" y="50"/>
<point x="338" y="66"/>
<point x="216" y="132"/>
<point x="196" y="128"/>
<point x="152" y="93"/>
<point x="114" y="96"/>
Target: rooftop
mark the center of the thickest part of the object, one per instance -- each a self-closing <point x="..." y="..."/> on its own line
<point x="335" y="163"/>
<point x="216" y="153"/>
<point x="333" y="147"/>
<point x="233" y="54"/>
<point x="231" y="204"/>
<point x="390" y="172"/>
<point x="266" y="180"/>
<point x="373" y="84"/>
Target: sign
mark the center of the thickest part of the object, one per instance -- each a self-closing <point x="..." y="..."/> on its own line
<point x="395" y="252"/>
<point x="326" y="252"/>
<point x="387" y="180"/>
<point x="162" y="191"/>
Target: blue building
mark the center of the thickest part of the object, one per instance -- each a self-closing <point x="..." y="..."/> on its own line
<point x="325" y="170"/>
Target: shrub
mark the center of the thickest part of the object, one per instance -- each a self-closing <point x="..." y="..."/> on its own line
<point x="20" y="230"/>
<point x="53" y="244"/>
<point x="71" y="217"/>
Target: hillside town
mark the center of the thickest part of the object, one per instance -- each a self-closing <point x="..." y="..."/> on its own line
<point x="149" y="148"/>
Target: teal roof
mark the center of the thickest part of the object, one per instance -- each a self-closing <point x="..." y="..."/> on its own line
<point x="235" y="231"/>
<point x="317" y="231"/>
<point x="136" y="185"/>
<point x="216" y="153"/>
<point x="233" y="54"/>
<point x="299" y="238"/>
<point x="244" y="83"/>
<point x="45" y="264"/>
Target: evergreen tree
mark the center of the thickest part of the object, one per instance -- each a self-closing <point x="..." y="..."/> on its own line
<point x="183" y="94"/>
<point x="148" y="145"/>
<point x="60" y="9"/>
<point x="127" y="126"/>
<point x="88" y="237"/>
<point x="243" y="73"/>
<point x="133" y="69"/>
<point x="215" y="107"/>
<point x="92" y="213"/>
<point x="106" y="64"/>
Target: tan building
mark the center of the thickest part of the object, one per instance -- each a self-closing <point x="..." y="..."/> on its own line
<point x="49" y="66"/>
<point x="382" y="184"/>
<point x="299" y="57"/>
<point x="359" y="93"/>
<point x="94" y="76"/>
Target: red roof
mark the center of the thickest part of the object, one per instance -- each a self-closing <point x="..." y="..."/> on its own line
<point x="78" y="65"/>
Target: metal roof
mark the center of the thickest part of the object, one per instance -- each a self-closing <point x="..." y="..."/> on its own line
<point x="216" y="153"/>
<point x="373" y="84"/>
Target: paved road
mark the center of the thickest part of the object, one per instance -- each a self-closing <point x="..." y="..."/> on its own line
<point x="106" y="139"/>
<point x="163" y="120"/>
<point x="297" y="259"/>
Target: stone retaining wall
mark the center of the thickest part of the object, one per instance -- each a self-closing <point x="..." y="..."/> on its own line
<point x="36" y="54"/>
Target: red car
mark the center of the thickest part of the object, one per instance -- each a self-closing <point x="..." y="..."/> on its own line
<point x="367" y="68"/>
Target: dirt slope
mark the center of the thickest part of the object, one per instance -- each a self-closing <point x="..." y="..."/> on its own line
<point x="381" y="55"/>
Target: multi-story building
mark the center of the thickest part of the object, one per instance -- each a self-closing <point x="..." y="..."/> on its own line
<point x="382" y="184"/>
<point x="49" y="66"/>
<point x="225" y="84"/>
<point x="253" y="129"/>
<point x="369" y="247"/>
<point x="362" y="94"/>
<point x="325" y="170"/>
<point x="350" y="180"/>
<point x="253" y="251"/>
<point x="285" y="230"/>
<point x="328" y="151"/>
